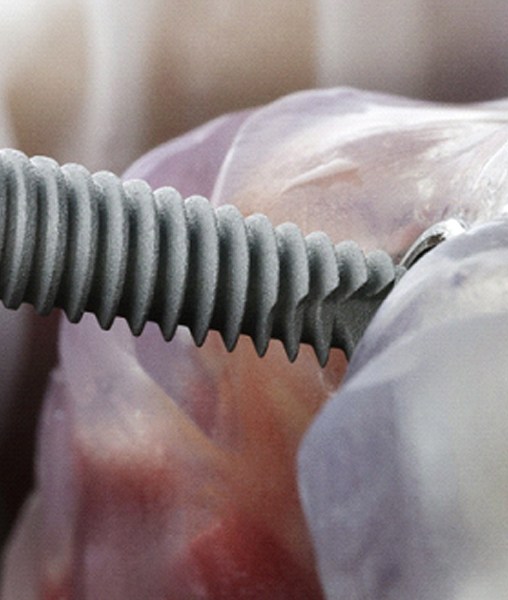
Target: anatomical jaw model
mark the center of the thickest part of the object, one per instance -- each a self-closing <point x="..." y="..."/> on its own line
<point x="168" y="471"/>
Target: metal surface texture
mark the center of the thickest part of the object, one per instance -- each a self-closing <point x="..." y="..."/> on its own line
<point x="93" y="243"/>
<point x="432" y="237"/>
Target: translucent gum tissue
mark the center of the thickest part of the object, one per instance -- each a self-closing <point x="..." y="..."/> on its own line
<point x="416" y="438"/>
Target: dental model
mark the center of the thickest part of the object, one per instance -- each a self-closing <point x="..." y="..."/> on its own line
<point x="167" y="471"/>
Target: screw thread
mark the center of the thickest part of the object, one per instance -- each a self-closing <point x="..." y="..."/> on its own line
<point x="93" y="243"/>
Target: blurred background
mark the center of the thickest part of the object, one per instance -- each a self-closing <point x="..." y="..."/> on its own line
<point x="101" y="81"/>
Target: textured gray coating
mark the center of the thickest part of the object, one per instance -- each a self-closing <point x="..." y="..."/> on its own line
<point x="93" y="243"/>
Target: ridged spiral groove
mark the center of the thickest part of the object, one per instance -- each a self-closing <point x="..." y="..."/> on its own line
<point x="87" y="242"/>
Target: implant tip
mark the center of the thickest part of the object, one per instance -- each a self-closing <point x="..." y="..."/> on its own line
<point x="291" y="346"/>
<point x="230" y="339"/>
<point x="199" y="335"/>
<point x="261" y="345"/>
<point x="322" y="353"/>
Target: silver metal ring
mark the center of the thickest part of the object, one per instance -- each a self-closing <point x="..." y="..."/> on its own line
<point x="432" y="237"/>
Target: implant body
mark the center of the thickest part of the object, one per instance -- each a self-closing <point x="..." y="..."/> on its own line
<point x="86" y="242"/>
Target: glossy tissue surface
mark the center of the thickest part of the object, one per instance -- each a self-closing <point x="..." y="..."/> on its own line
<point x="165" y="471"/>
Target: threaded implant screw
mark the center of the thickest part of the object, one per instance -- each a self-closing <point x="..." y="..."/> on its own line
<point x="93" y="243"/>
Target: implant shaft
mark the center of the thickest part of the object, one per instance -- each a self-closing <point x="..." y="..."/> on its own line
<point x="92" y="243"/>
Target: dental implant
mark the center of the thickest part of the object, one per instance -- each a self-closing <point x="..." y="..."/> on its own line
<point x="92" y="243"/>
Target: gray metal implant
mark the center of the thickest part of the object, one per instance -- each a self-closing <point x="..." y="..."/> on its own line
<point x="93" y="243"/>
